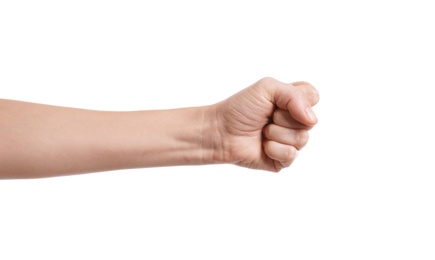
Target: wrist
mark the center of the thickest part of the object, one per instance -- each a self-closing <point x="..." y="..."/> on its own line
<point x="212" y="140"/>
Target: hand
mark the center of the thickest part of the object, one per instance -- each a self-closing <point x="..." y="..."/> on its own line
<point x="264" y="125"/>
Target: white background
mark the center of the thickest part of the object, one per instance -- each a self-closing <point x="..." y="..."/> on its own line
<point x="363" y="188"/>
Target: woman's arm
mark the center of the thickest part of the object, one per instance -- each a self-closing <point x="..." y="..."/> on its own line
<point x="42" y="141"/>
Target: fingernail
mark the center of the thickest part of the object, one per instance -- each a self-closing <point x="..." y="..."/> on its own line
<point x="310" y="114"/>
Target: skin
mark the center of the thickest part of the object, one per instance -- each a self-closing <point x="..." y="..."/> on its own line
<point x="261" y="127"/>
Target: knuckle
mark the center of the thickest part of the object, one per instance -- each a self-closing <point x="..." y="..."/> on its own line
<point x="301" y="83"/>
<point x="266" y="81"/>
<point x="290" y="153"/>
<point x="281" y="165"/>
<point x="315" y="95"/>
<point x="286" y="164"/>
<point x="303" y="137"/>
<point x="312" y="94"/>
<point x="310" y="90"/>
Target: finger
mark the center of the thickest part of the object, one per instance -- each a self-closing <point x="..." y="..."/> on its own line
<point x="293" y="137"/>
<point x="283" y="154"/>
<point x="283" y="118"/>
<point x="290" y="98"/>
<point x="310" y="92"/>
<point x="297" y="105"/>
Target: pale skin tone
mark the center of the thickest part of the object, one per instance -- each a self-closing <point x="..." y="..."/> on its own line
<point x="261" y="127"/>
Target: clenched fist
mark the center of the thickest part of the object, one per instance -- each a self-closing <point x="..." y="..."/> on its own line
<point x="264" y="125"/>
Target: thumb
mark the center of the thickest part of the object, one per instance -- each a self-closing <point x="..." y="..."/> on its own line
<point x="291" y="98"/>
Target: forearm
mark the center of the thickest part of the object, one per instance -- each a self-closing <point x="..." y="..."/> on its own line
<point x="40" y="141"/>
